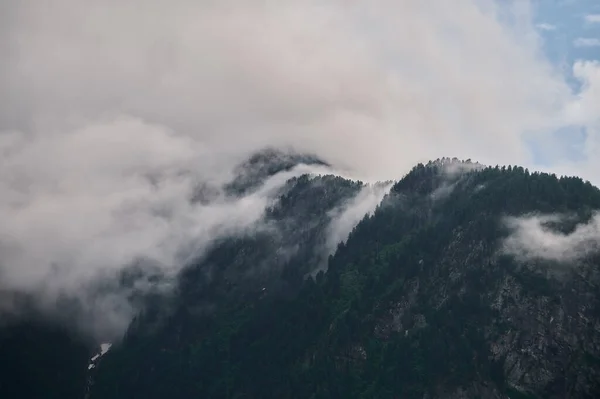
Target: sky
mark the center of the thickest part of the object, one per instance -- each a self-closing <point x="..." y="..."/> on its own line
<point x="113" y="111"/>
<point x="570" y="32"/>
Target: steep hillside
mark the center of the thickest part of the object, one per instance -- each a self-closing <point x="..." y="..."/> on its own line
<point x="426" y="299"/>
<point x="467" y="281"/>
<point x="221" y="289"/>
<point x="39" y="359"/>
<point x="274" y="255"/>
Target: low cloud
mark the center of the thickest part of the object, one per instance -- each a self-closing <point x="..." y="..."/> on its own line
<point x="532" y="237"/>
<point x="345" y="218"/>
<point x="442" y="191"/>
<point x="79" y="211"/>
<point x="452" y="169"/>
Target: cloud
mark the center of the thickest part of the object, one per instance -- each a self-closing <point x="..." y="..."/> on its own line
<point x="546" y="26"/>
<point x="81" y="209"/>
<point x="586" y="42"/>
<point x="113" y="112"/>
<point x="376" y="77"/>
<point x="347" y="217"/>
<point x="584" y="112"/>
<point x="532" y="238"/>
<point x="592" y="18"/>
<point x="452" y="169"/>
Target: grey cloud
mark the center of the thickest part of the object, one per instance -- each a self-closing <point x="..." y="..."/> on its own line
<point x="89" y="211"/>
<point x="114" y="112"/>
<point x="239" y="74"/>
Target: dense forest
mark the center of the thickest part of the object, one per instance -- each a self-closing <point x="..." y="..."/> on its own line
<point x="420" y="301"/>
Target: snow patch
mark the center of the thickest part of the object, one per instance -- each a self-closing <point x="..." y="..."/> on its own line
<point x="103" y="349"/>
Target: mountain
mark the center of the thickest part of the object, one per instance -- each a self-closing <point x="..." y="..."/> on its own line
<point x="421" y="301"/>
<point x="252" y="172"/>
<point x="222" y="289"/>
<point x="466" y="282"/>
<point x="276" y="255"/>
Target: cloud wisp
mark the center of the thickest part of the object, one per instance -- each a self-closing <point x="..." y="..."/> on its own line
<point x="345" y="218"/>
<point x="72" y="226"/>
<point x="374" y="87"/>
<point x="546" y="26"/>
<point x="532" y="237"/>
<point x="592" y="18"/>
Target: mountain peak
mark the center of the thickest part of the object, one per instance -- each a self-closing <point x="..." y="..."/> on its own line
<point x="265" y="163"/>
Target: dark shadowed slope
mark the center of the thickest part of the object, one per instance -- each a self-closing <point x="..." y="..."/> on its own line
<point x="41" y="359"/>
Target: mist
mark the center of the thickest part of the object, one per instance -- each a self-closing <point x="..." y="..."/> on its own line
<point x="347" y="217"/>
<point x="115" y="112"/>
<point x="74" y="239"/>
<point x="533" y="238"/>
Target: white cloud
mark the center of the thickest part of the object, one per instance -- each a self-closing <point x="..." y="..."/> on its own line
<point x="112" y="111"/>
<point x="375" y="77"/>
<point x="546" y="26"/>
<point x="345" y="218"/>
<point x="592" y="18"/>
<point x="585" y="112"/>
<point x="532" y="238"/>
<point x="586" y="42"/>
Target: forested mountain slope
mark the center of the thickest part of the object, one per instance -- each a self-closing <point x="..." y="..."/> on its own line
<point x="42" y="357"/>
<point x="434" y="296"/>
<point x="221" y="290"/>
<point x="39" y="359"/>
<point x="467" y="281"/>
